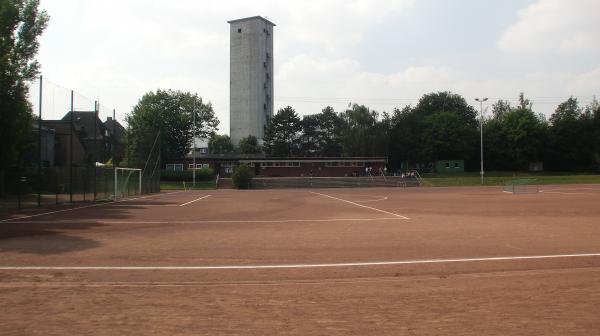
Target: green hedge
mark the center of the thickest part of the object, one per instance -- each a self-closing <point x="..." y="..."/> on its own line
<point x="204" y="174"/>
<point x="242" y="175"/>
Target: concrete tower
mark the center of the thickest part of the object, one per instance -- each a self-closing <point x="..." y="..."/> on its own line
<point x="250" y="77"/>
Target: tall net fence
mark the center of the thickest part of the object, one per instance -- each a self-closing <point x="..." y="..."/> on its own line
<point x="74" y="145"/>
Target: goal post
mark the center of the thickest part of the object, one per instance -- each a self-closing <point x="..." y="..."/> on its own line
<point x="127" y="180"/>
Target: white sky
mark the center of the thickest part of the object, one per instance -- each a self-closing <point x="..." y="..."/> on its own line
<point x="383" y="54"/>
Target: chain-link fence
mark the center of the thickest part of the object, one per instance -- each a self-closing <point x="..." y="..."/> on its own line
<point x="74" y="147"/>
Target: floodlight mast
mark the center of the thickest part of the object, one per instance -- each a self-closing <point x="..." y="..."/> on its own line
<point x="481" y="100"/>
<point x="194" y="148"/>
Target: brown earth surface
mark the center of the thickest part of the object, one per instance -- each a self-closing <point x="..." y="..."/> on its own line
<point x="154" y="265"/>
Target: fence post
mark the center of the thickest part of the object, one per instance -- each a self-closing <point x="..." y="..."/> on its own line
<point x="39" y="195"/>
<point x="96" y="108"/>
<point x="71" y="153"/>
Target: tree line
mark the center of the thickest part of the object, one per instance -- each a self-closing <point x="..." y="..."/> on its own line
<point x="443" y="126"/>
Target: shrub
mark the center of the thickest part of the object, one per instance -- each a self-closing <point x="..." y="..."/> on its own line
<point x="242" y="176"/>
<point x="204" y="174"/>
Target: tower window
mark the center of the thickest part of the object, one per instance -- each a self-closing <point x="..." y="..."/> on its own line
<point x="239" y="30"/>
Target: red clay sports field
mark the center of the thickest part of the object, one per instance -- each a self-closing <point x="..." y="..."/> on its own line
<point x="378" y="261"/>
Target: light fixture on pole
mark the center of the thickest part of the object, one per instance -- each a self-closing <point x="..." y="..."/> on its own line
<point x="481" y="100"/>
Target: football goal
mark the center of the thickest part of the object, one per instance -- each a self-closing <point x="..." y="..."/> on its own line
<point x="128" y="182"/>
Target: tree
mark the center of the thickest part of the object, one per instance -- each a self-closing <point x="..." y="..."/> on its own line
<point x="330" y="132"/>
<point x="220" y="144"/>
<point x="21" y="23"/>
<point x="311" y="135"/>
<point x="283" y="133"/>
<point x="359" y="131"/>
<point x="447" y="137"/>
<point x="500" y="108"/>
<point x="571" y="137"/>
<point x="249" y="145"/>
<point x="441" y="126"/>
<point x="242" y="176"/>
<point x="171" y="113"/>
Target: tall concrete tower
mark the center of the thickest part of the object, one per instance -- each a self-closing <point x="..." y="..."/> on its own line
<point x="250" y="77"/>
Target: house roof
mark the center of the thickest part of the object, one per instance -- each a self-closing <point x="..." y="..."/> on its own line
<point x="84" y="124"/>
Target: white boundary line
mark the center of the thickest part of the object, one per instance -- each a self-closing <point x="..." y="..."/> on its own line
<point x="351" y="264"/>
<point x="197" y="199"/>
<point x="361" y="205"/>
<point x="84" y="207"/>
<point x="374" y="198"/>
<point x="211" y="221"/>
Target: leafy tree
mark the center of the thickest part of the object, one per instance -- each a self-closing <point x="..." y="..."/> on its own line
<point x="514" y="138"/>
<point x="445" y="136"/>
<point x="220" y="144"/>
<point x="249" y="145"/>
<point x="500" y="108"/>
<point x="405" y="137"/>
<point x="446" y="102"/>
<point x="330" y="132"/>
<point x="283" y="133"/>
<point x="171" y="113"/>
<point x="571" y="137"/>
<point x="441" y="126"/>
<point x="21" y="23"/>
<point x="311" y="134"/>
<point x="242" y="176"/>
<point x="359" y="131"/>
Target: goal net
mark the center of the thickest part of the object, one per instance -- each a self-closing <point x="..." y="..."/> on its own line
<point x="128" y="182"/>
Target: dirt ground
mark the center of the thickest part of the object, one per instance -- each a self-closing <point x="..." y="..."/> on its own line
<point x="416" y="261"/>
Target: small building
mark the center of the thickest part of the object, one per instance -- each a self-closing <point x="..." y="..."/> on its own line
<point x="449" y="166"/>
<point x="286" y="166"/>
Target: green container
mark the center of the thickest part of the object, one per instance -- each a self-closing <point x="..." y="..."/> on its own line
<point x="449" y="166"/>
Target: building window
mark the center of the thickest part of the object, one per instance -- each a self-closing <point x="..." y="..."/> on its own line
<point x="447" y="164"/>
<point x="174" y="167"/>
<point x="191" y="166"/>
<point x="456" y="165"/>
<point x="239" y="30"/>
<point x="205" y="165"/>
<point x="203" y="150"/>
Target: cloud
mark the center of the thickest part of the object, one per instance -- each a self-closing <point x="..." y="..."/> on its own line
<point x="587" y="83"/>
<point x="309" y="83"/>
<point x="560" y="26"/>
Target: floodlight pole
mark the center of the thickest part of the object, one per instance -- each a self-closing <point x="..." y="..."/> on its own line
<point x="194" y="148"/>
<point x="481" y="133"/>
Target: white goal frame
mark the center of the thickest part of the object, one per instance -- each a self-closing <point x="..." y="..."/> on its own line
<point x="117" y="169"/>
